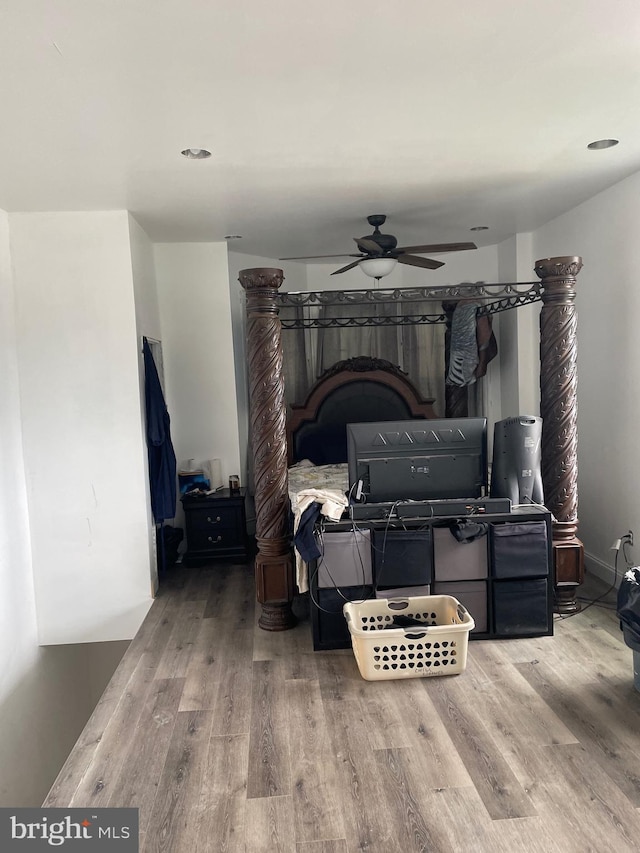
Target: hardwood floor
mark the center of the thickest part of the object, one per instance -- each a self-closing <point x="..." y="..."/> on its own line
<point x="228" y="738"/>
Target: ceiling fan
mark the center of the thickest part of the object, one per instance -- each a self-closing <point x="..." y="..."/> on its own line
<point x="379" y="252"/>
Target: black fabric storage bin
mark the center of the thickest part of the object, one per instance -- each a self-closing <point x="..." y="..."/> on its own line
<point x="402" y="557"/>
<point x="519" y="550"/>
<point x="330" y="630"/>
<point x="521" y="608"/>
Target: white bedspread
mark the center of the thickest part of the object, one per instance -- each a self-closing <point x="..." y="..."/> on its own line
<point x="324" y="484"/>
<point x="305" y="475"/>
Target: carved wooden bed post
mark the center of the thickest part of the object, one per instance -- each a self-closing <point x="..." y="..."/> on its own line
<point x="558" y="408"/>
<point x="274" y="565"/>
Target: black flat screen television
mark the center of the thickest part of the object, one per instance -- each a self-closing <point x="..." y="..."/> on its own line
<point x="418" y="459"/>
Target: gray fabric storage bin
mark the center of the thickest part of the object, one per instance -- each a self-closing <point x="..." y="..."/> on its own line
<point x="453" y="560"/>
<point x="403" y="592"/>
<point x="519" y="549"/>
<point x="473" y="595"/>
<point x="345" y="560"/>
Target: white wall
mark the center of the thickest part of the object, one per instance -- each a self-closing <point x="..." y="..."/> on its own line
<point x="147" y="324"/>
<point x="82" y="437"/>
<point x="519" y="333"/>
<point x="46" y="694"/>
<point x="195" y="315"/>
<point x="604" y="231"/>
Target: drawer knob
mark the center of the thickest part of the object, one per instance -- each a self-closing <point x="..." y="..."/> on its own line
<point x="215" y="520"/>
<point x="218" y="539"/>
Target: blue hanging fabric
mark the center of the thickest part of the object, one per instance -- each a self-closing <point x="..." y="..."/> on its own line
<point x="162" y="459"/>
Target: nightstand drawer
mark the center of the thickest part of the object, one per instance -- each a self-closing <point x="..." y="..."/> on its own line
<point x="199" y="539"/>
<point x="209" y="519"/>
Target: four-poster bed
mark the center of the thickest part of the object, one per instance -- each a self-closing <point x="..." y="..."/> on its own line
<point x="275" y="585"/>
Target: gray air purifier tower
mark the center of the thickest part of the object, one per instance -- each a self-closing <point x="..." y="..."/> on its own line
<point x="515" y="472"/>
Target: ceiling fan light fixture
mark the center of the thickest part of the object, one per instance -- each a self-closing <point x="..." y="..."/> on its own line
<point x="599" y="144"/>
<point x="196" y="153"/>
<point x="377" y="267"/>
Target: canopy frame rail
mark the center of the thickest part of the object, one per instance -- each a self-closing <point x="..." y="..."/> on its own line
<point x="496" y="298"/>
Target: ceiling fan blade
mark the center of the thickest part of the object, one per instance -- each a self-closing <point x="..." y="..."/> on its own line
<point x="314" y="257"/>
<point x="437" y="248"/>
<point x="348" y="267"/>
<point x="414" y="261"/>
<point x="368" y="246"/>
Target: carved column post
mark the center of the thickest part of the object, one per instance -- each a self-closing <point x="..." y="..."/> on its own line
<point x="558" y="408"/>
<point x="274" y="565"/>
<point x="456" y="397"/>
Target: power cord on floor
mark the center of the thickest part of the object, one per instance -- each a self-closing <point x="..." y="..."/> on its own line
<point x="623" y="542"/>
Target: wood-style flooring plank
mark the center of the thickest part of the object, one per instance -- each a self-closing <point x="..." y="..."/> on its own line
<point x="198" y="585"/>
<point x="582" y="807"/>
<point x="399" y="713"/>
<point x="171" y="826"/>
<point x="464" y="820"/>
<point x="404" y="808"/>
<point x="359" y="783"/>
<point x="339" y="845"/>
<point x="232" y="707"/>
<point x="424" y="733"/>
<point x="143" y="653"/>
<point x="590" y="646"/>
<point x="221" y="808"/>
<point x="147" y="750"/>
<point x="614" y="752"/>
<point x="98" y="782"/>
<point x="232" y="595"/>
<point x="512" y="708"/>
<point x="496" y="783"/>
<point x="317" y="808"/>
<point x="205" y="668"/>
<point x="295" y="647"/>
<point x="268" y="825"/>
<point x="175" y="660"/>
<point x="270" y="771"/>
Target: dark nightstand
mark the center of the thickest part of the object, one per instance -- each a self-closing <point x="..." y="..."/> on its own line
<point x="216" y="527"/>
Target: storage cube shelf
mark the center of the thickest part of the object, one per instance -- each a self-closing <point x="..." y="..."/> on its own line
<point x="504" y="579"/>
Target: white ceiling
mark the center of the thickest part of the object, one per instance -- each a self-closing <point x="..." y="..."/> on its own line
<point x="443" y="115"/>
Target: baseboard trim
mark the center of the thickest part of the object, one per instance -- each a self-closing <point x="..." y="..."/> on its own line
<point x="605" y="571"/>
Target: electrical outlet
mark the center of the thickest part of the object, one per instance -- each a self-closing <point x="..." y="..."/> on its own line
<point x="630" y="537"/>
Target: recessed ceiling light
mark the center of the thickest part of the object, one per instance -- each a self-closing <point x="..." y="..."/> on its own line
<point x="233" y="237"/>
<point x="602" y="143"/>
<point x="196" y="153"/>
<point x="479" y="228"/>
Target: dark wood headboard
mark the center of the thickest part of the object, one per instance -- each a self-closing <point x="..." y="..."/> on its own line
<point x="357" y="390"/>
